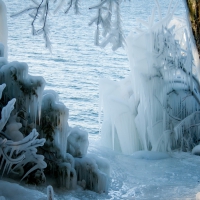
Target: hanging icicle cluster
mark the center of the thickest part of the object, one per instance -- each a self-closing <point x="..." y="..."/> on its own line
<point x="25" y="88"/>
<point x="107" y="20"/>
<point x="69" y="147"/>
<point x="39" y="12"/>
<point x="54" y="117"/>
<point x="18" y="153"/>
<point x="156" y="107"/>
<point x="111" y="28"/>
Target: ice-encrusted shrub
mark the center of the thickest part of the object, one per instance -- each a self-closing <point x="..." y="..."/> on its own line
<point x="18" y="153"/>
<point x="156" y="107"/>
<point x="36" y="108"/>
<point x="26" y="89"/>
<point x="65" y="144"/>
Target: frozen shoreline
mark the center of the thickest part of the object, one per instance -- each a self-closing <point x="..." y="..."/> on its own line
<point x="175" y="177"/>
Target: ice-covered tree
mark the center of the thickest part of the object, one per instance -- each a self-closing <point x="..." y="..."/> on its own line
<point x="157" y="106"/>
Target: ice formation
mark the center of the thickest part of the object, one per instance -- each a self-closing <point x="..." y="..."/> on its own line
<point x="108" y="21"/>
<point x="157" y="107"/>
<point x="16" y="150"/>
<point x="12" y="129"/>
<point x="30" y="107"/>
<point x="77" y="142"/>
<point x="89" y="176"/>
<point x="54" y="115"/>
<point x="50" y="193"/>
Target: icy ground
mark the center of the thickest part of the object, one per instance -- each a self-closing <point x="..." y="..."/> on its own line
<point x="142" y="176"/>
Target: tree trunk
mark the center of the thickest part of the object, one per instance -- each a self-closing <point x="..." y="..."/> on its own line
<point x="194" y="16"/>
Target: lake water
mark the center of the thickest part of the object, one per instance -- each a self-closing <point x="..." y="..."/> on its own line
<point x="75" y="65"/>
<point x="73" y="70"/>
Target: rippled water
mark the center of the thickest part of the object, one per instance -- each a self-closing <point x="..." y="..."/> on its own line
<point x="73" y="70"/>
<point x="75" y="65"/>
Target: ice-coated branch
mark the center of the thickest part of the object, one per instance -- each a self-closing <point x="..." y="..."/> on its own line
<point x="39" y="13"/>
<point x="5" y="113"/>
<point x="112" y="29"/>
<point x="6" y="160"/>
<point x="108" y="19"/>
<point x="22" y="152"/>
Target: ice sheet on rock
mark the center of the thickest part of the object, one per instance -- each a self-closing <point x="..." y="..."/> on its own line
<point x="89" y="173"/>
<point x="67" y="175"/>
<point x="196" y="150"/>
<point x="77" y="142"/>
<point x="102" y="163"/>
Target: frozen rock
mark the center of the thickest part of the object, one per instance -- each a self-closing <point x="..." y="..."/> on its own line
<point x="12" y="131"/>
<point x="77" y="142"/>
<point x="67" y="176"/>
<point x="196" y="150"/>
<point x="88" y="173"/>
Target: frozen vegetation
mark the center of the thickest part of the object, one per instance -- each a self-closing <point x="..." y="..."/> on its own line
<point x="60" y="149"/>
<point x="63" y="149"/>
<point x="156" y="107"/>
<point x="148" y="115"/>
